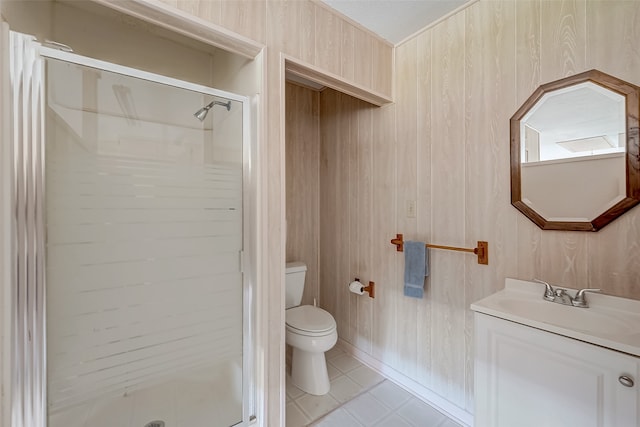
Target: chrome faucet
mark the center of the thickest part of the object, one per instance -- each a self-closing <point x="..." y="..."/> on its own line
<point x="549" y="294"/>
<point x="561" y="296"/>
<point x="579" y="300"/>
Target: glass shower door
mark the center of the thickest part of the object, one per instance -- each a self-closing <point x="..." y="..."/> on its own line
<point x="144" y="239"/>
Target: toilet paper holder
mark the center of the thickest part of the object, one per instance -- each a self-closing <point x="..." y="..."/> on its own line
<point x="370" y="289"/>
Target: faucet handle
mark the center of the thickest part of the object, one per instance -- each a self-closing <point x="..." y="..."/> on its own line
<point x="579" y="300"/>
<point x="549" y="294"/>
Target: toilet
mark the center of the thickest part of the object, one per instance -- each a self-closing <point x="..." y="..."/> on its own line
<point x="310" y="331"/>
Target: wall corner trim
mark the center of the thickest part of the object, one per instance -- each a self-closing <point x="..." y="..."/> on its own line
<point x="317" y="75"/>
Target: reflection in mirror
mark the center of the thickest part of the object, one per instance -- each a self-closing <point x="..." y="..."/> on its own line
<point x="572" y="143"/>
<point x="577" y="121"/>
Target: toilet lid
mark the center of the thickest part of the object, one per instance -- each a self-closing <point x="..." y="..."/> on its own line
<point x="310" y="319"/>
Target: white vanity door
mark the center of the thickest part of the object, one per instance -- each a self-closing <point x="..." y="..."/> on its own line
<point x="526" y="377"/>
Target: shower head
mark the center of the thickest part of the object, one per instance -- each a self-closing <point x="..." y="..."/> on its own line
<point x="202" y="113"/>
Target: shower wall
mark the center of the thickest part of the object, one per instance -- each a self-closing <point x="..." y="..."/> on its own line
<point x="144" y="227"/>
<point x="97" y="32"/>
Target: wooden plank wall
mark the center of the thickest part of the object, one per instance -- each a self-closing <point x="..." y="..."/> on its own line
<point x="303" y="183"/>
<point x="308" y="31"/>
<point x="445" y="143"/>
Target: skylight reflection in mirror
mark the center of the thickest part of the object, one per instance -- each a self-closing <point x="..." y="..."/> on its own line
<point x="577" y="121"/>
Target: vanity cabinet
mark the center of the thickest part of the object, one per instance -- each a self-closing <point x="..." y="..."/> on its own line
<point x="526" y="377"/>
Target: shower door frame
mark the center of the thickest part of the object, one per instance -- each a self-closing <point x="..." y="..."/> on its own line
<point x="247" y="255"/>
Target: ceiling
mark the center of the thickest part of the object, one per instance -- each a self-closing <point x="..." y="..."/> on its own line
<point x="395" y="20"/>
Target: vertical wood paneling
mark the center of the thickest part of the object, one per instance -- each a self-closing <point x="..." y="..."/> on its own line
<point x="448" y="201"/>
<point x="527" y="41"/>
<point x="248" y="17"/>
<point x="272" y="190"/>
<point x="406" y="59"/>
<point x="336" y="224"/>
<point x="361" y="246"/>
<point x="345" y="131"/>
<point x="245" y="17"/>
<point x="328" y="40"/>
<point x="553" y="39"/>
<point x="348" y="51"/>
<point x="563" y="258"/>
<point x="385" y="313"/>
<point x="363" y="69"/>
<point x="281" y="18"/>
<point x="489" y="97"/>
<point x="293" y="28"/>
<point x="306" y="32"/>
<point x="563" y="36"/>
<point x="527" y="73"/>
<point x="457" y="85"/>
<point x="563" y="255"/>
<point x="329" y="289"/>
<point x="424" y="111"/>
<point x="350" y="114"/>
<point x="303" y="183"/>
<point x="381" y="73"/>
<point x="313" y="34"/>
<point x="619" y="55"/>
<point x="614" y="252"/>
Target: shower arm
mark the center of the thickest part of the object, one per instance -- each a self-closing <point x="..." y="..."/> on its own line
<point x="224" y="104"/>
<point x="202" y="113"/>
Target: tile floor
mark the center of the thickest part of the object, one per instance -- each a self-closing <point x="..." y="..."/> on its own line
<point x="359" y="397"/>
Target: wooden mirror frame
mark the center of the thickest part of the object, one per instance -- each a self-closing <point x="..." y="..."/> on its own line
<point x="632" y="100"/>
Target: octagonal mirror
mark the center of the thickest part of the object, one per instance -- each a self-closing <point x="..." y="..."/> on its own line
<point x="574" y="152"/>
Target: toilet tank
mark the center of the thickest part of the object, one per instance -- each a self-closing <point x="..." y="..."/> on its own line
<point x="294" y="283"/>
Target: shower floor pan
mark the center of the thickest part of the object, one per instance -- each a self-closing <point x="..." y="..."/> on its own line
<point x="202" y="398"/>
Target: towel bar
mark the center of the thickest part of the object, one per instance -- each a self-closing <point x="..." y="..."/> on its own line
<point x="482" y="250"/>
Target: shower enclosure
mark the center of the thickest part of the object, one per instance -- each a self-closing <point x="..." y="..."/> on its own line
<point x="132" y="295"/>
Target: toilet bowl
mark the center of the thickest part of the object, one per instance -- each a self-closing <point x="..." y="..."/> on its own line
<point x="310" y="331"/>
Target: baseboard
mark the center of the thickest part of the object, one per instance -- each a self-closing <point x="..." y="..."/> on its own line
<point x="452" y="411"/>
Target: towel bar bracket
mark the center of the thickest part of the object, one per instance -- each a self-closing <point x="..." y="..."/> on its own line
<point x="399" y="242"/>
<point x="482" y="250"/>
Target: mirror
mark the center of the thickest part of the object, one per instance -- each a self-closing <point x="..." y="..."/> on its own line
<point x="574" y="152"/>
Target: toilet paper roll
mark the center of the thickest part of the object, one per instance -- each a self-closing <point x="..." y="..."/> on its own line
<point x="356" y="288"/>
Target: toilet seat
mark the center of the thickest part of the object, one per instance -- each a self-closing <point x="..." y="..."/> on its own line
<point x="310" y="321"/>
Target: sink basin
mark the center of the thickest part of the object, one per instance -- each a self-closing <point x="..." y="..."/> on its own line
<point x="588" y="320"/>
<point x="609" y="321"/>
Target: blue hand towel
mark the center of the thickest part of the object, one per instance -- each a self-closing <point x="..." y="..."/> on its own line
<point x="415" y="268"/>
